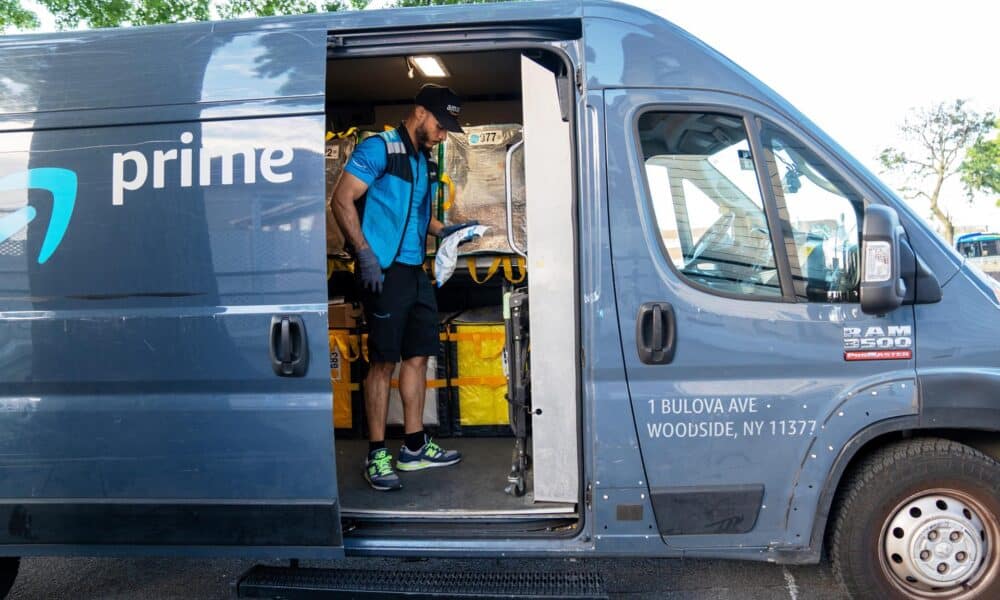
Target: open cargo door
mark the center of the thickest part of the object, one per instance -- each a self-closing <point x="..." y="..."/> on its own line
<point x="552" y="285"/>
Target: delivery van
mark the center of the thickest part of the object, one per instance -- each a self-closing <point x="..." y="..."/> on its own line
<point x="698" y="328"/>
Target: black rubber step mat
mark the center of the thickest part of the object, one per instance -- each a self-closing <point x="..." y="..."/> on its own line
<point x="290" y="583"/>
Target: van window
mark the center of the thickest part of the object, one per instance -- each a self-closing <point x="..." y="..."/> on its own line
<point x="707" y="202"/>
<point x="824" y="217"/>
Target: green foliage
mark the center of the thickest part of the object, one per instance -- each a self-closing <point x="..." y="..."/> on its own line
<point x="115" y="13"/>
<point x="268" y="8"/>
<point x="981" y="167"/>
<point x="939" y="137"/>
<point x="12" y="14"/>
<point x="443" y="2"/>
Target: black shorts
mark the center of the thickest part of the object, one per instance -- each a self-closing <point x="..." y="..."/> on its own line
<point x="403" y="319"/>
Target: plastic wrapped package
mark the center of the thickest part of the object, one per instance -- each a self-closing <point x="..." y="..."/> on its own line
<point x="476" y="163"/>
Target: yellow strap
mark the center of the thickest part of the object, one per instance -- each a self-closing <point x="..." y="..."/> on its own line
<point x="471" y="262"/>
<point x="348" y="347"/>
<point x="477" y="337"/>
<point x="431" y="383"/>
<point x="508" y="269"/>
<point x="487" y="380"/>
<point x="341" y="134"/>
<point x="445" y="179"/>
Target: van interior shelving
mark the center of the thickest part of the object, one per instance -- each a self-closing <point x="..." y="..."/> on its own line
<point x="367" y="94"/>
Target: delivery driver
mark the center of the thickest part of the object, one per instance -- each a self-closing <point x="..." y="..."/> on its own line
<point x="392" y="171"/>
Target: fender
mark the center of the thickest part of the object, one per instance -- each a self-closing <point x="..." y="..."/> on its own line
<point x="966" y="399"/>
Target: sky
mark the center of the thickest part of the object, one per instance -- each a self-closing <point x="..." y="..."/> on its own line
<point x="856" y="67"/>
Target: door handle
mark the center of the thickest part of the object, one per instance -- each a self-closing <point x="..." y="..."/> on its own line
<point x="288" y="346"/>
<point x="656" y="333"/>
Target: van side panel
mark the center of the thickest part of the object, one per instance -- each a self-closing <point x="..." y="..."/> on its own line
<point x="136" y="379"/>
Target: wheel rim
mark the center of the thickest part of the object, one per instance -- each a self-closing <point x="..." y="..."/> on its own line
<point x="939" y="544"/>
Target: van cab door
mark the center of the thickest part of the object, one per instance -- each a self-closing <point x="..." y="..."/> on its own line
<point x="735" y="243"/>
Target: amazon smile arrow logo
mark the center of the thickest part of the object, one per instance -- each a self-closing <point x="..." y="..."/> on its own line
<point x="61" y="183"/>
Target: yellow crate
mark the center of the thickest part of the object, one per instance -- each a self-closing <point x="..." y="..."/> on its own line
<point x="481" y="384"/>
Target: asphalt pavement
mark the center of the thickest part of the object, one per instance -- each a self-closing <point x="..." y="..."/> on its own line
<point x="149" y="578"/>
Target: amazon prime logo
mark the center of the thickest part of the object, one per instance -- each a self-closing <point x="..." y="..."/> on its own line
<point x="62" y="184"/>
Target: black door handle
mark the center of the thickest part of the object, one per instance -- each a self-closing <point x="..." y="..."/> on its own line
<point x="288" y="346"/>
<point x="656" y="333"/>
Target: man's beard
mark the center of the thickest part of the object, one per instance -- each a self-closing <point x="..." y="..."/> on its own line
<point x="423" y="137"/>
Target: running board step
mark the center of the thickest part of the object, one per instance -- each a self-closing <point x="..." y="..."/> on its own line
<point x="293" y="583"/>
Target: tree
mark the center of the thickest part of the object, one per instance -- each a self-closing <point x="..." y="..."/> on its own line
<point x="13" y="15"/>
<point x="115" y="13"/>
<point x="443" y="2"/>
<point x="981" y="167"/>
<point x="939" y="136"/>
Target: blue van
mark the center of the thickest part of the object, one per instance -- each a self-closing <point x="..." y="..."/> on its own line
<point x="743" y="345"/>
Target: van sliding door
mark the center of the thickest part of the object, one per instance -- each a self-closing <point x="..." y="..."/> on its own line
<point x="552" y="285"/>
<point x="163" y="345"/>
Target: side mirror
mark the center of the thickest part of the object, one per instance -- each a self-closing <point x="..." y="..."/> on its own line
<point x="882" y="286"/>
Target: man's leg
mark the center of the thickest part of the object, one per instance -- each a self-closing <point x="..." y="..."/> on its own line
<point x="385" y="314"/>
<point x="412" y="387"/>
<point x="420" y="341"/>
<point x="377" y="399"/>
<point x="378" y="463"/>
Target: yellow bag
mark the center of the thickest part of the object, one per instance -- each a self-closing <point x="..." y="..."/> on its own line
<point x="481" y="384"/>
<point x="342" y="343"/>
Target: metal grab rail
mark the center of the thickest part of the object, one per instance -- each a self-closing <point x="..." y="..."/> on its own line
<point x="510" y="199"/>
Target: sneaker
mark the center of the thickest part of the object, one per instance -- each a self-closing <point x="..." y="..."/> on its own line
<point x="379" y="473"/>
<point x="429" y="455"/>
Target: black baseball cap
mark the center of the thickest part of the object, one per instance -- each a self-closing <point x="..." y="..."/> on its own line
<point x="443" y="103"/>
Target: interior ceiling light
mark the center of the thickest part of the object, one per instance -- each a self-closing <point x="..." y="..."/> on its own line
<point x="430" y="66"/>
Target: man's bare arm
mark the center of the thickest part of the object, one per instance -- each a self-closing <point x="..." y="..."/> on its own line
<point x="349" y="189"/>
<point x="434" y="227"/>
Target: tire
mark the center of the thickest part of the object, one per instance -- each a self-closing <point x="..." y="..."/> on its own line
<point x="9" y="566"/>
<point x="907" y="521"/>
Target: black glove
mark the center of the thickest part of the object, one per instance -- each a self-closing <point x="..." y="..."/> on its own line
<point x="450" y="229"/>
<point x="371" y="271"/>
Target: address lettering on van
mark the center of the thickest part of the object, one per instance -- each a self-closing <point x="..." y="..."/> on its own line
<point x="894" y="342"/>
<point x="132" y="170"/>
<point x="732" y="417"/>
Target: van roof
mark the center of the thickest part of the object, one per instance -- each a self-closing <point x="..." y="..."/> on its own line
<point x="155" y="65"/>
<point x="210" y="63"/>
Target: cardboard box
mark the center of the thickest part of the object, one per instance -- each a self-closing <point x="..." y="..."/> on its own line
<point x="343" y="315"/>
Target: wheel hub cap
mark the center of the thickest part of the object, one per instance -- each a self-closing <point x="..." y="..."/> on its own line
<point x="935" y="542"/>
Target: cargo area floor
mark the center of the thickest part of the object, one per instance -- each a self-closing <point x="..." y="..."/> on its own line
<point x="472" y="488"/>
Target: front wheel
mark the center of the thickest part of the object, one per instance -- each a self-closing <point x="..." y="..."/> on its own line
<point x="920" y="519"/>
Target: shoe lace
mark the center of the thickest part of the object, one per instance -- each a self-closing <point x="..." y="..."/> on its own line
<point x="433" y="449"/>
<point x="382" y="463"/>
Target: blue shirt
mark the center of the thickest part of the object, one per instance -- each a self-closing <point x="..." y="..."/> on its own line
<point x="368" y="163"/>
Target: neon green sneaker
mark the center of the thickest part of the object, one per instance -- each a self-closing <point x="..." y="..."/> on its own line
<point x="379" y="473"/>
<point x="430" y="455"/>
